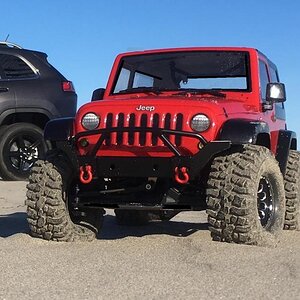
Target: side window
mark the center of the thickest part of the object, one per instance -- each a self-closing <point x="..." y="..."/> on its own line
<point x="264" y="79"/>
<point x="273" y="75"/>
<point x="14" y="67"/>
<point x="275" y="78"/>
<point x="123" y="80"/>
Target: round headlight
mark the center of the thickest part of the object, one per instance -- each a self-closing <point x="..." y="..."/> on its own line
<point x="200" y="123"/>
<point x="90" y="121"/>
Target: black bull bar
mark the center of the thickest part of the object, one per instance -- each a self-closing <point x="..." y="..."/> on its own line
<point x="93" y="166"/>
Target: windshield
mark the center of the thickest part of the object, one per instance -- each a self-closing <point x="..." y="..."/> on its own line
<point x="182" y="71"/>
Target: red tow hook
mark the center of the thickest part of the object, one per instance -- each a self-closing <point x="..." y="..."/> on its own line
<point x="86" y="175"/>
<point x="181" y="175"/>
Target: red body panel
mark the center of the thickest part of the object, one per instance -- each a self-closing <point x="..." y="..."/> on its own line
<point x="236" y="105"/>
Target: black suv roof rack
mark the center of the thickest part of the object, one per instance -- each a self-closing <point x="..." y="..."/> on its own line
<point x="9" y="44"/>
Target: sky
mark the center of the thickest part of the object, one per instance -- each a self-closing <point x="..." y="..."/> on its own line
<point x="82" y="38"/>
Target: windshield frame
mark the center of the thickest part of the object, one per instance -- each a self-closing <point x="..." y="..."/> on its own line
<point x="182" y="89"/>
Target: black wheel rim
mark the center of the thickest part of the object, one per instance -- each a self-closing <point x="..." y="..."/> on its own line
<point x="265" y="203"/>
<point x="23" y="151"/>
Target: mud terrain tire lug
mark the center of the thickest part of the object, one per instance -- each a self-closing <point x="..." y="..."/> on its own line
<point x="292" y="191"/>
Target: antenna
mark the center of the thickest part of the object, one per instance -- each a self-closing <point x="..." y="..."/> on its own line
<point x="7" y="38"/>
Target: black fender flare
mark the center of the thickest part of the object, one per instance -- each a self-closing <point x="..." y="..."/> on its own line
<point x="287" y="140"/>
<point x="255" y="132"/>
<point x="20" y="110"/>
<point x="242" y="131"/>
<point x="59" y="129"/>
<point x="59" y="132"/>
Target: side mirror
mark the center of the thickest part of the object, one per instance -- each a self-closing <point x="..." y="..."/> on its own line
<point x="275" y="93"/>
<point x="98" y="94"/>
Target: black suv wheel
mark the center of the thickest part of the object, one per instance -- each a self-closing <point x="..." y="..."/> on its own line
<point x="20" y="146"/>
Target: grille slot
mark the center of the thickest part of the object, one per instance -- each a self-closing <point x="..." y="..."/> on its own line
<point x="120" y="125"/>
<point x="167" y="124"/>
<point x="131" y="133"/>
<point x="142" y="138"/>
<point x="109" y="120"/>
<point x="166" y="121"/>
<point x="179" y="124"/>
<point x="155" y="124"/>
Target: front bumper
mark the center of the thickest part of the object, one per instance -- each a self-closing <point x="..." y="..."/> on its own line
<point x="162" y="167"/>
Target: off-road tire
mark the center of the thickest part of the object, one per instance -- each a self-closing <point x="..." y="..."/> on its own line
<point x="47" y="209"/>
<point x="292" y="191"/>
<point x="232" y="196"/>
<point x="13" y="134"/>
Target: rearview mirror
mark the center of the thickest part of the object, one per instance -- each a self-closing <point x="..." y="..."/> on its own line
<point x="98" y="94"/>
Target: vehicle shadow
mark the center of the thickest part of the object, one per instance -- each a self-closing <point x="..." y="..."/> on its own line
<point x="111" y="230"/>
<point x="13" y="223"/>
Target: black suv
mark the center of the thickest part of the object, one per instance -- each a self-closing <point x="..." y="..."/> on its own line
<point x="31" y="93"/>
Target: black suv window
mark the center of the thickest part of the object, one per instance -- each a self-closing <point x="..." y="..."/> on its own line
<point x="14" y="67"/>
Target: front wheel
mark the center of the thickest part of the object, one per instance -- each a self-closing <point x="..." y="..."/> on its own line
<point x="245" y="197"/>
<point x="49" y="213"/>
<point x="21" y="144"/>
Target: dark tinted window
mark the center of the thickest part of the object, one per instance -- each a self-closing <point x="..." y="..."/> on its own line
<point x="264" y="79"/>
<point x="14" y="67"/>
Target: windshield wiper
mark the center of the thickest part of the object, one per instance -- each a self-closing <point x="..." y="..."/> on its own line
<point x="141" y="89"/>
<point x="201" y="92"/>
<point x="157" y="91"/>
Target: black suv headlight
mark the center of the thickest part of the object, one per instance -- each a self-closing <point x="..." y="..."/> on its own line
<point x="90" y="121"/>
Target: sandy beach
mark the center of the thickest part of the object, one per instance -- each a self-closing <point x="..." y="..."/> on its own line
<point x="163" y="260"/>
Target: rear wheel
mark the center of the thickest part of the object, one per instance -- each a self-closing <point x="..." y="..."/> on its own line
<point x="21" y="145"/>
<point x="292" y="191"/>
<point x="245" y="197"/>
<point x="49" y="213"/>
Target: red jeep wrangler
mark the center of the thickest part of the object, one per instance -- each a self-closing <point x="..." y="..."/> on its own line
<point x="174" y="130"/>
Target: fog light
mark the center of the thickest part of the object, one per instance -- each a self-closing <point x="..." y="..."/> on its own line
<point x="84" y="142"/>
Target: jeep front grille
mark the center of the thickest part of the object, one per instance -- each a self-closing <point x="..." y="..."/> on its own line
<point x="143" y="138"/>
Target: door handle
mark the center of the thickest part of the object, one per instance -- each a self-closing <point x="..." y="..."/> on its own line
<point x="4" y="89"/>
